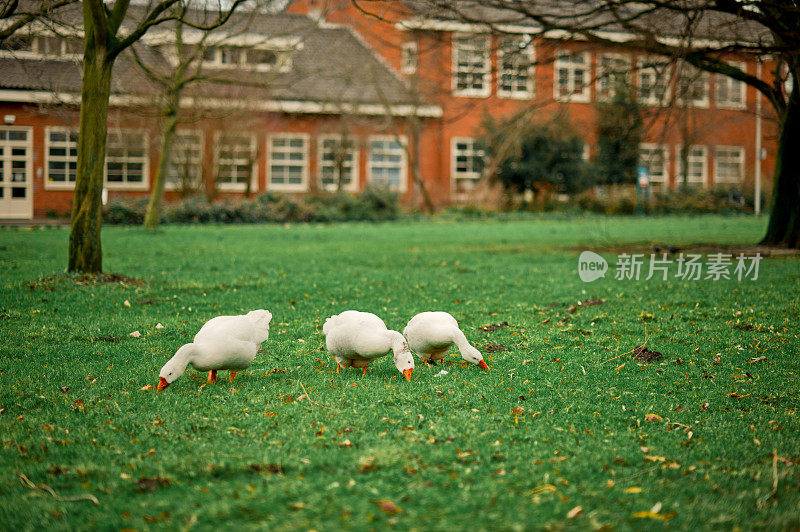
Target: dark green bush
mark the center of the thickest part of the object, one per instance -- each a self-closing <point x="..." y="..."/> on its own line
<point x="372" y="205"/>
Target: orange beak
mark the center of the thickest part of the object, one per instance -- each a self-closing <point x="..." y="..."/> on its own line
<point x="482" y="365"/>
<point x="162" y="383"/>
<point x="407" y="374"/>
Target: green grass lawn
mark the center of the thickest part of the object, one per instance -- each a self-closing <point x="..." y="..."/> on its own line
<point x="556" y="424"/>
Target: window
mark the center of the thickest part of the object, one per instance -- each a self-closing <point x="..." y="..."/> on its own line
<point x="467" y="164"/>
<point x="185" y="170"/>
<point x="572" y="77"/>
<point x="61" y="157"/>
<point x="338" y="161"/>
<point x="728" y="164"/>
<point x="697" y="165"/>
<point x="288" y="162"/>
<point x="257" y="58"/>
<point x="653" y="79"/>
<point x="387" y="162"/>
<point x="515" y="67"/>
<point x="613" y="72"/>
<point x="471" y="65"/>
<point x="655" y="158"/>
<point x="693" y="86"/>
<point x="730" y="92"/>
<point x="126" y="159"/>
<point x="236" y="160"/>
<point x="410" y="58"/>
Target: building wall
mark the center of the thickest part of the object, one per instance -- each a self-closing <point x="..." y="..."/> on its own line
<point x="712" y="127"/>
<point x="49" y="199"/>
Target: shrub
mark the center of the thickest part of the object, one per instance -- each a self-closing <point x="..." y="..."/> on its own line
<point x="372" y="205"/>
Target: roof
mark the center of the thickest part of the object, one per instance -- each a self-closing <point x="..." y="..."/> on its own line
<point x="328" y="64"/>
<point x="603" y="18"/>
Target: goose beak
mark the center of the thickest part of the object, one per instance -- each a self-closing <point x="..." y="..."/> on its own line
<point x="162" y="383"/>
<point x="482" y="365"/>
<point x="407" y="374"/>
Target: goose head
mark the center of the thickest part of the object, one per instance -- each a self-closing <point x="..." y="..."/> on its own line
<point x="473" y="356"/>
<point x="403" y="359"/>
<point x="175" y="367"/>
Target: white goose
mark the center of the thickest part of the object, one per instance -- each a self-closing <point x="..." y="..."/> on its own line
<point x="223" y="343"/>
<point x="357" y="338"/>
<point x="430" y="335"/>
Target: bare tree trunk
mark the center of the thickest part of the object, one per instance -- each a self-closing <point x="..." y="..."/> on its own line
<point x="416" y="171"/>
<point x="784" y="219"/>
<point x="85" y="252"/>
<point x="153" y="214"/>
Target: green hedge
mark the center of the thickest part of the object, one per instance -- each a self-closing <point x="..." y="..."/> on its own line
<point x="372" y="205"/>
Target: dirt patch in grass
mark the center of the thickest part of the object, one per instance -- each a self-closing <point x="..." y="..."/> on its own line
<point x="494" y="348"/>
<point x="145" y="485"/>
<point x="642" y="354"/>
<point x="494" y="327"/>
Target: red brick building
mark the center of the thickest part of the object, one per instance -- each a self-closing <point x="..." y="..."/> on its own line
<point x="408" y="92"/>
<point x="470" y="73"/>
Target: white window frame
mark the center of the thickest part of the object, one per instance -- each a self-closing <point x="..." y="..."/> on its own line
<point x="271" y="150"/>
<point x="409" y="62"/>
<point x="692" y="160"/>
<point x="699" y="77"/>
<point x="283" y="62"/>
<point x="236" y="187"/>
<point x="605" y="83"/>
<point x="729" y="83"/>
<point x="647" y="64"/>
<point x="175" y="185"/>
<point x="528" y="53"/>
<point x="484" y="71"/>
<point x="564" y="61"/>
<point x="28" y="146"/>
<point x="403" y="140"/>
<point x="741" y="157"/>
<point x="58" y="185"/>
<point x="466" y="177"/>
<point x="144" y="184"/>
<point x="663" y="179"/>
<point x="355" y="152"/>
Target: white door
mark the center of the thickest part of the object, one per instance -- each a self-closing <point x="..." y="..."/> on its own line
<point x="16" y="172"/>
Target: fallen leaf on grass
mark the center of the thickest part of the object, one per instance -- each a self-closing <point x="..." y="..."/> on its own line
<point x="147" y="387"/>
<point x="633" y="489"/>
<point x="653" y="417"/>
<point x="517" y="411"/>
<point x="575" y="512"/>
<point x="298" y="505"/>
<point x="159" y="326"/>
<point x="734" y="395"/>
<point x="127" y="303"/>
<point x="135" y="334"/>
<point x="388" y="507"/>
<point x="757" y="359"/>
<point x="367" y="463"/>
<point x="655" y="458"/>
<point x="652" y="515"/>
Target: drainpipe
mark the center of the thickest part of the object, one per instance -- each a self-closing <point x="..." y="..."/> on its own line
<point x="757" y="192"/>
